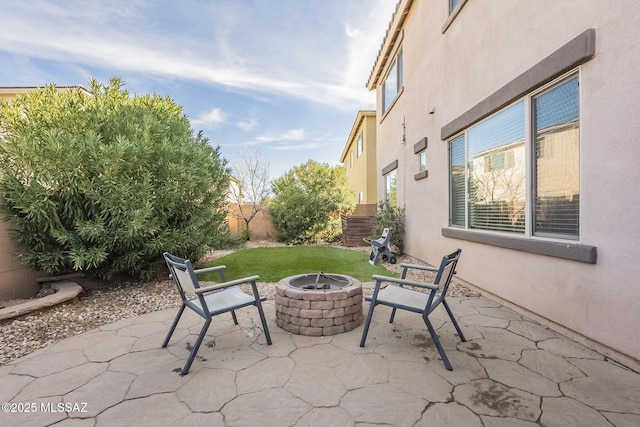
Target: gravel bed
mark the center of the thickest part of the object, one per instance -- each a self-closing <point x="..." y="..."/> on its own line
<point x="96" y="307"/>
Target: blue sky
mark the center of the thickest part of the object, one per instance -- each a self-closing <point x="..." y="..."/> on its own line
<point x="286" y="77"/>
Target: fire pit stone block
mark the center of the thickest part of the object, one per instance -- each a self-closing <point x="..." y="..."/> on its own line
<point x="318" y="312"/>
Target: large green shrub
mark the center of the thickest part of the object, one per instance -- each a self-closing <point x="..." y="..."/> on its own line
<point x="105" y="183"/>
<point x="307" y="203"/>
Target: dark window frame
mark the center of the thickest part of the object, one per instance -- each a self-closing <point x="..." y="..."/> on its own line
<point x="397" y="67"/>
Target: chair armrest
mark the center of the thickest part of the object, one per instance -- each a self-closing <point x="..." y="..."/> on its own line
<point x="209" y="269"/>
<point x="406" y="282"/>
<point x="418" y="267"/>
<point x="228" y="284"/>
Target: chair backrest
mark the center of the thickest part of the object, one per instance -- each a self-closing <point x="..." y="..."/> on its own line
<point x="182" y="273"/>
<point x="446" y="271"/>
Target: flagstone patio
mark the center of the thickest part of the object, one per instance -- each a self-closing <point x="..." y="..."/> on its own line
<point x="511" y="372"/>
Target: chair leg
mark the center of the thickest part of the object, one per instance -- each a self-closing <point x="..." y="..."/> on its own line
<point x="173" y="326"/>
<point x="453" y="320"/>
<point x="393" y="315"/>
<point x="436" y="341"/>
<point x="372" y="305"/>
<point x="233" y="315"/>
<point x="367" y="323"/>
<point x="263" y="319"/>
<point x="196" y="346"/>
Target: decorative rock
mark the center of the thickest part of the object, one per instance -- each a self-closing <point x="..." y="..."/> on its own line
<point x="64" y="291"/>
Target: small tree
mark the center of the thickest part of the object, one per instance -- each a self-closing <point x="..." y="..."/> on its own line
<point x="105" y="183"/>
<point x="391" y="217"/>
<point x="308" y="201"/>
<point x="253" y="187"/>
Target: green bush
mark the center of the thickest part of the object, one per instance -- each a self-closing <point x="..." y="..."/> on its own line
<point x="104" y="184"/>
<point x="307" y="203"/>
<point x="391" y="217"/>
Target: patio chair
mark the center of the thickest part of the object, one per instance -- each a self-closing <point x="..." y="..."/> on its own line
<point x="210" y="300"/>
<point x="397" y="295"/>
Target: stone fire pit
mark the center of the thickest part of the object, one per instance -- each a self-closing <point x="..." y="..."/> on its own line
<point x="318" y="304"/>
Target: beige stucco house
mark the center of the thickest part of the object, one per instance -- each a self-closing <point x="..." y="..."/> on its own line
<point x="511" y="130"/>
<point x="359" y="160"/>
<point x="10" y="93"/>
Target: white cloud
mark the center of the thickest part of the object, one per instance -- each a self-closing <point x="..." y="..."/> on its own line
<point x="208" y="43"/>
<point x="247" y="125"/>
<point x="209" y="119"/>
<point x="364" y="38"/>
<point x="291" y="135"/>
<point x="298" y="147"/>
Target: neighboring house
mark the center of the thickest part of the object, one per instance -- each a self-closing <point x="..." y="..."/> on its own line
<point x="10" y="93"/>
<point x="16" y="280"/>
<point x="234" y="195"/>
<point x="359" y="160"/>
<point x="525" y="115"/>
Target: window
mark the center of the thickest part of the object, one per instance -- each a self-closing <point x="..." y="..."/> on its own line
<point x="420" y="148"/>
<point x="391" y="188"/>
<point x="556" y="168"/>
<point x="489" y="163"/>
<point x="455" y="7"/>
<point x="422" y="161"/>
<point x="392" y="83"/>
<point x="360" y="197"/>
<point x="360" y="147"/>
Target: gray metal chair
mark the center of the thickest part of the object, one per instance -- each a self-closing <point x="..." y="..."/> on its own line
<point x="398" y="296"/>
<point x="210" y="300"/>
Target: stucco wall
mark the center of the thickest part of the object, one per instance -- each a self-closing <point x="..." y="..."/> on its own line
<point x="16" y="280"/>
<point x="487" y="46"/>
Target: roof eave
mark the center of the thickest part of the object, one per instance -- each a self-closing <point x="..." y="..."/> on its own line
<point x="394" y="30"/>
<point x="24" y="89"/>
<point x="362" y="114"/>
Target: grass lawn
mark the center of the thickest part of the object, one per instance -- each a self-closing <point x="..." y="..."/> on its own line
<point x="274" y="264"/>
